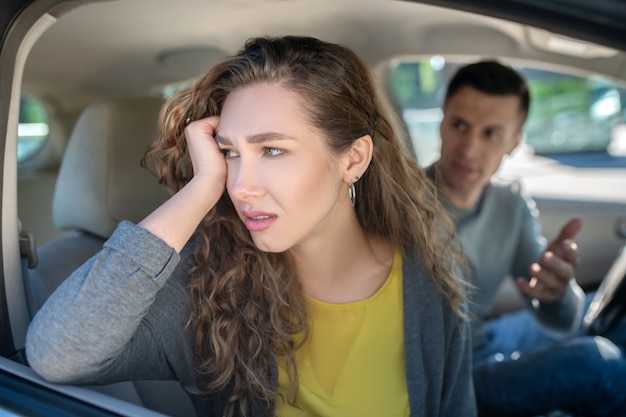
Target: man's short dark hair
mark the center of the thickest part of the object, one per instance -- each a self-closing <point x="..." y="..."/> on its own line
<point x="494" y="78"/>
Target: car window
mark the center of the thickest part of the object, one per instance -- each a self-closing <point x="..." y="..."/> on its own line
<point x="570" y="114"/>
<point x="33" y="128"/>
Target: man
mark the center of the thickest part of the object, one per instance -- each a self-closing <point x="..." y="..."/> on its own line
<point x="537" y="361"/>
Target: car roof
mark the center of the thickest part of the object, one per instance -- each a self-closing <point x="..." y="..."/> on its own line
<point x="132" y="47"/>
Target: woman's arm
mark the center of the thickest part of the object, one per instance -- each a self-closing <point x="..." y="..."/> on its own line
<point x="458" y="398"/>
<point x="177" y="219"/>
<point x="84" y="330"/>
<point x="97" y="322"/>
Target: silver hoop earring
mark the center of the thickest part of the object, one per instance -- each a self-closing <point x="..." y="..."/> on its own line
<point x="352" y="191"/>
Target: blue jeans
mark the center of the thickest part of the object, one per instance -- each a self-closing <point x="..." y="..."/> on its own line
<point x="522" y="371"/>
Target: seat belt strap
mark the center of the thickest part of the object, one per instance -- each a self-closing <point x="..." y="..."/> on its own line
<point x="28" y="254"/>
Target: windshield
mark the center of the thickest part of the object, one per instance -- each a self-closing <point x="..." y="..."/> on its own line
<point x="569" y="113"/>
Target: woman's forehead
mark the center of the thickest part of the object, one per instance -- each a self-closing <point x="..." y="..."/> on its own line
<point x="263" y="111"/>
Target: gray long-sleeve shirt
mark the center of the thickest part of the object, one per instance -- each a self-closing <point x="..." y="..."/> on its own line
<point x="122" y="315"/>
<point x="501" y="238"/>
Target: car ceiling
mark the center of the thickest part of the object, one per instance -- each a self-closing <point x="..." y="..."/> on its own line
<point x="131" y="47"/>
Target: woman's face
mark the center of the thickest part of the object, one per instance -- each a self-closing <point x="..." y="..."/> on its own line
<point x="282" y="179"/>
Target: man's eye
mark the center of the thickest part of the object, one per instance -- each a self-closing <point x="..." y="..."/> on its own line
<point x="458" y="125"/>
<point x="269" y="151"/>
<point x="492" y="134"/>
<point x="229" y="153"/>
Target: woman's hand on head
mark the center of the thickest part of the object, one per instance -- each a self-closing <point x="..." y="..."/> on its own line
<point x="176" y="219"/>
<point x="207" y="159"/>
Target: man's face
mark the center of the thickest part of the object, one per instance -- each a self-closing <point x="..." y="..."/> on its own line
<point x="477" y="130"/>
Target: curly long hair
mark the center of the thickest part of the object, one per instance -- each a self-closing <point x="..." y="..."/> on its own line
<point x="247" y="305"/>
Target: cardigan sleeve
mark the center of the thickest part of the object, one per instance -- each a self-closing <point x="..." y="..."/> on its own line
<point x="102" y="325"/>
<point x="438" y="348"/>
<point x="458" y="397"/>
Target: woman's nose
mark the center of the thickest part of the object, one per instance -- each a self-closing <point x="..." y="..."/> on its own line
<point x="244" y="180"/>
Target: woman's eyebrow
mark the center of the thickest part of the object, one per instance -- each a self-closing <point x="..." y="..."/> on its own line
<point x="255" y="139"/>
<point x="222" y="140"/>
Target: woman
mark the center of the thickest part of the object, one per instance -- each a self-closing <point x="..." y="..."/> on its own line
<point x="302" y="265"/>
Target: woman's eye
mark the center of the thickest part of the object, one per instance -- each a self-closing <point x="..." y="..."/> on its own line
<point x="228" y="153"/>
<point x="273" y="151"/>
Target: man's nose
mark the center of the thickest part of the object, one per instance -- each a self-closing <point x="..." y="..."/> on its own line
<point x="469" y="146"/>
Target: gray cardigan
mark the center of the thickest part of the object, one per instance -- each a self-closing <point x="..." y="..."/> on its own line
<point x="122" y="315"/>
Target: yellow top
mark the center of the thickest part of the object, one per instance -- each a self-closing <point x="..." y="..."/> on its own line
<point x="352" y="365"/>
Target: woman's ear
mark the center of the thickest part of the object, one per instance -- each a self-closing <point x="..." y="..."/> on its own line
<point x="358" y="158"/>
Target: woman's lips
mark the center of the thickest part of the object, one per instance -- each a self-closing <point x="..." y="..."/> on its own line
<point x="258" y="221"/>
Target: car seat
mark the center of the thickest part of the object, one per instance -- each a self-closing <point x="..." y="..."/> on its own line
<point x="101" y="183"/>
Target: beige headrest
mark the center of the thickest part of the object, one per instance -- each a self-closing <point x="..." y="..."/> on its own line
<point x="101" y="181"/>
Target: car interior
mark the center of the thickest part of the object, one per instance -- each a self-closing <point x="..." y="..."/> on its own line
<point x="24" y="393"/>
<point x="100" y="183"/>
<point x="91" y="77"/>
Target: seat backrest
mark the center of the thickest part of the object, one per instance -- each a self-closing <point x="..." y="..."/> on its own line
<point x="101" y="183"/>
